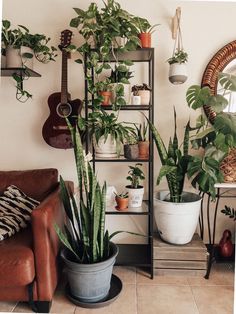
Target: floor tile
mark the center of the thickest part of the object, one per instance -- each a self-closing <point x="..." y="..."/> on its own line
<point x="155" y="299"/>
<point x="126" y="274"/>
<point x="61" y="304"/>
<point x="214" y="300"/>
<point x="23" y="307"/>
<point x="221" y="275"/>
<point x="7" y="306"/>
<point x="144" y="278"/>
<point x="124" y="304"/>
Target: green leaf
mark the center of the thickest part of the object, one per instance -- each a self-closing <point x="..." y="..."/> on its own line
<point x="227" y="81"/>
<point x="197" y="97"/>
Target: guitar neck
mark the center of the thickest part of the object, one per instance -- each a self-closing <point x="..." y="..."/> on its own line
<point x="64" y="90"/>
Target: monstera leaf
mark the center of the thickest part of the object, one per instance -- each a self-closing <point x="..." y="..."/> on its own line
<point x="197" y="97"/>
<point x="227" y="81"/>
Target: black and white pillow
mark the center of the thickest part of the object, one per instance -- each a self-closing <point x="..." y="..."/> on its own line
<point x="15" y="211"/>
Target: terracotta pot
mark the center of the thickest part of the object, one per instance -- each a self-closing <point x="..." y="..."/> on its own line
<point x="145" y="39"/>
<point x="122" y="203"/>
<point x="106" y="98"/>
<point x="143" y="150"/>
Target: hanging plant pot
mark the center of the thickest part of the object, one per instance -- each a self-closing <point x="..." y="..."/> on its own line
<point x="13" y="57"/>
<point x="145" y="40"/>
<point x="178" y="73"/>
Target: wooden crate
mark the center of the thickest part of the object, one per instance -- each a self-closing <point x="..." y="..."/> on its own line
<point x="189" y="259"/>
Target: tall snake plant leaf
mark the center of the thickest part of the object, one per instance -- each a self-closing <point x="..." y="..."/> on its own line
<point x="186" y="139"/>
<point x="96" y="220"/>
<point x="106" y="245"/>
<point x="102" y="221"/>
<point x="164" y="171"/>
<point x="65" y="241"/>
<point x="86" y="226"/>
<point x="175" y="139"/>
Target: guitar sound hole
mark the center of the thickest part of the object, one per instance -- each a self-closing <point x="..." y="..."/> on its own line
<point x="64" y="110"/>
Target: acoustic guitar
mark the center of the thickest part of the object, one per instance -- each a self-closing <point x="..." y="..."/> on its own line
<point x="55" y="130"/>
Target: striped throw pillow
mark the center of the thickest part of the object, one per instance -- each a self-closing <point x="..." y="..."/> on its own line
<point x="15" y="211"/>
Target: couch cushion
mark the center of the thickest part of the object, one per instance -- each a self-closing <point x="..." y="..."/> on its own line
<point x="17" y="260"/>
<point x="15" y="211"/>
<point x="37" y="183"/>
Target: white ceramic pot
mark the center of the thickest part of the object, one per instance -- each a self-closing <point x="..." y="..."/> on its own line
<point x="136" y="100"/>
<point x="127" y="93"/>
<point x="177" y="222"/>
<point x="106" y="149"/>
<point x="145" y="96"/>
<point x="178" y="73"/>
<point x="135" y="196"/>
<point x="13" y="58"/>
<point x="27" y="55"/>
<point x="119" y="41"/>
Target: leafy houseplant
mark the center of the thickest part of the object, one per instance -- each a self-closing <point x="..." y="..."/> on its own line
<point x="145" y="31"/>
<point x="178" y="70"/>
<point x="136" y="191"/>
<point x="122" y="200"/>
<point x="104" y="89"/>
<point x="89" y="254"/>
<point x="16" y="41"/>
<point x="144" y="91"/>
<point x="217" y="139"/>
<point x="105" y="129"/>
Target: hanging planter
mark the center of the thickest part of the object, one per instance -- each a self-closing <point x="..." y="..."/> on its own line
<point x="178" y="70"/>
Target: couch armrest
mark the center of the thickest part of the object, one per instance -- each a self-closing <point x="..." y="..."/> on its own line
<point x="46" y="243"/>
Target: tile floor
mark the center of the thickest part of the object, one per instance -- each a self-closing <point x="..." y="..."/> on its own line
<point x="162" y="295"/>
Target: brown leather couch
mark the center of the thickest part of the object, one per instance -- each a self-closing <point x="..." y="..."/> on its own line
<point x="29" y="266"/>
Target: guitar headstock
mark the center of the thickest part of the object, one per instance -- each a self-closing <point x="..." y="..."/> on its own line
<point x="65" y="38"/>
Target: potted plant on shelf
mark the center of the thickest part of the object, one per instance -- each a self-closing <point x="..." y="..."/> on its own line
<point x="145" y="32"/>
<point x="143" y="142"/>
<point x="122" y="200"/>
<point x="104" y="89"/>
<point x="178" y="69"/>
<point x="107" y="134"/>
<point x="131" y="150"/>
<point x="144" y="91"/>
<point x="135" y="190"/>
<point x="120" y="77"/>
<point x="20" y="47"/>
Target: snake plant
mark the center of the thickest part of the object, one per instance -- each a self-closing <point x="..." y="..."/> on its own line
<point x="174" y="161"/>
<point x="85" y="235"/>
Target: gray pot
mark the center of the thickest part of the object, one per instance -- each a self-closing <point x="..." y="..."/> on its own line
<point x="90" y="282"/>
<point x="131" y="151"/>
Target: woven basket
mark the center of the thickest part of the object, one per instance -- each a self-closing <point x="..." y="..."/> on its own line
<point x="228" y="166"/>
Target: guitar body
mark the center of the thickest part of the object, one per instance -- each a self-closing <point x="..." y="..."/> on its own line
<point x="55" y="130"/>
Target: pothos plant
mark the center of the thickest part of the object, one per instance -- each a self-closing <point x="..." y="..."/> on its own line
<point x="39" y="43"/>
<point x="100" y="30"/>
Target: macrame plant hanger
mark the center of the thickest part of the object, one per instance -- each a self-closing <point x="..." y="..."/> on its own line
<point x="178" y="70"/>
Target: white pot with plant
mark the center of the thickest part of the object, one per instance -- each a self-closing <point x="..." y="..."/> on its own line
<point x="107" y="134"/>
<point x="144" y="91"/>
<point x="15" y="43"/>
<point x="135" y="190"/>
<point x="178" y="68"/>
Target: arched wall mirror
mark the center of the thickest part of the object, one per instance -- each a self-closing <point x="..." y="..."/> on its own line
<point x="223" y="61"/>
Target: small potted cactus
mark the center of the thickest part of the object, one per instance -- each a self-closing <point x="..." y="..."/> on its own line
<point x="122" y="201"/>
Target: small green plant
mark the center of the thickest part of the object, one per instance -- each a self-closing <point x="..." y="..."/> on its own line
<point x="136" y="88"/>
<point x="135" y="175"/>
<point x="103" y="86"/>
<point x="144" y="26"/>
<point x="122" y="194"/>
<point x="120" y="74"/>
<point x="142" y="129"/>
<point x="230" y="212"/>
<point x="180" y="56"/>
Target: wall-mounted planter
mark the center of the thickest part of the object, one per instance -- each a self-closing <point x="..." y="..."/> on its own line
<point x="27" y="55"/>
<point x="178" y="73"/>
<point x="13" y="58"/>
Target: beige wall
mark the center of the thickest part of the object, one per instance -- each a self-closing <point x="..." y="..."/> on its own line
<point x="206" y="27"/>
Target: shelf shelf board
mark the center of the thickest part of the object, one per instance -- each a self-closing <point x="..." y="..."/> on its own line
<point x="134" y="255"/>
<point x="126" y="107"/>
<point x="138" y="55"/>
<point x="121" y="159"/>
<point x="19" y="71"/>
<point x="143" y="210"/>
